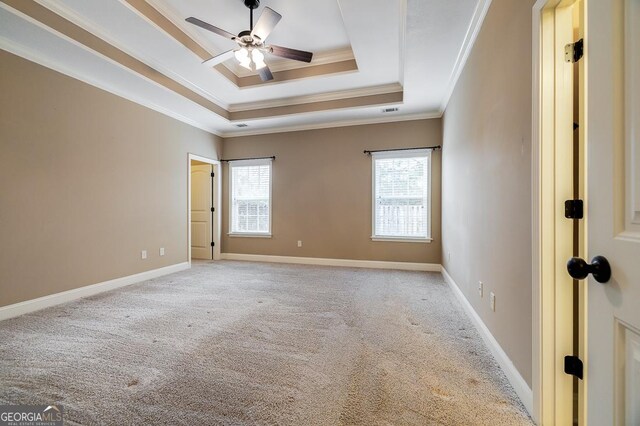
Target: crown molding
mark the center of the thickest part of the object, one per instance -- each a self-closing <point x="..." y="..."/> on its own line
<point x="47" y="19"/>
<point x="319" y="97"/>
<point x="65" y="12"/>
<point x="475" y="25"/>
<point x="334" y="124"/>
<point x="404" y="10"/>
<point x="385" y="99"/>
<point x="58" y="66"/>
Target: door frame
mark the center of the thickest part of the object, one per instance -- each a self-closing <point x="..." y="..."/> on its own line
<point x="551" y="232"/>
<point x="216" y="198"/>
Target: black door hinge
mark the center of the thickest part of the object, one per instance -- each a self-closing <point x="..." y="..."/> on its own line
<point x="213" y="174"/>
<point x="213" y="209"/>
<point x="213" y="244"/>
<point x="573" y="366"/>
<point x="574" y="209"/>
<point x="573" y="52"/>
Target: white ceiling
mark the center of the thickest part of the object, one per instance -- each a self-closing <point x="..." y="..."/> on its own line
<point x="418" y="44"/>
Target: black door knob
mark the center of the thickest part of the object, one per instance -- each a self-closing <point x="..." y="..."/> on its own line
<point x="599" y="268"/>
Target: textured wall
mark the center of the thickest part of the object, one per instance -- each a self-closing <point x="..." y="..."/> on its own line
<point x="87" y="181"/>
<point x="486" y="181"/>
<point x="322" y="192"/>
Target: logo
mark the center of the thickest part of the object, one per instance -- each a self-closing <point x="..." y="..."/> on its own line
<point x="31" y="415"/>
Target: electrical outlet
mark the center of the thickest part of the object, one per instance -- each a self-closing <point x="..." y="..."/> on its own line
<point x="480" y="288"/>
<point x="449" y="255"/>
<point x="493" y="302"/>
<point x="299" y="243"/>
<point x="143" y="254"/>
<point x="161" y="251"/>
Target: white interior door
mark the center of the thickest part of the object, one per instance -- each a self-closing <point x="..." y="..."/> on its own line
<point x="613" y="219"/>
<point x="201" y="215"/>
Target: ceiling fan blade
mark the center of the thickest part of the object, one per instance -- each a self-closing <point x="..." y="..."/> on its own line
<point x="209" y="27"/>
<point x="266" y="23"/>
<point x="296" y="55"/>
<point x="218" y="59"/>
<point x="265" y="74"/>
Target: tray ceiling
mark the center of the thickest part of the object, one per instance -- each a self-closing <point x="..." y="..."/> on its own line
<point x="368" y="55"/>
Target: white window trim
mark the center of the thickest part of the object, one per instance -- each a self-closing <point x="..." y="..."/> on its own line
<point x="411" y="153"/>
<point x="240" y="163"/>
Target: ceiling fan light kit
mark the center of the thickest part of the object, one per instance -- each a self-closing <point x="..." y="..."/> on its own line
<point x="251" y="47"/>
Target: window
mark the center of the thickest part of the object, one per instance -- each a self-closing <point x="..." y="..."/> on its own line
<point x="402" y="195"/>
<point x="250" y="194"/>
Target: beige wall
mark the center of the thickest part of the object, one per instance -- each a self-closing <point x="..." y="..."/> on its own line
<point x="87" y="181"/>
<point x="486" y="204"/>
<point x="318" y="176"/>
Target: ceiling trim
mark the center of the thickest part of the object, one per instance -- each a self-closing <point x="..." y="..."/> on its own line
<point x="150" y="14"/>
<point x="298" y="73"/>
<point x="70" y="15"/>
<point x="51" y="21"/>
<point x="319" y="97"/>
<point x="361" y="101"/>
<point x="58" y="66"/>
<point x="475" y="25"/>
<point x="404" y="10"/>
<point x="283" y="70"/>
<point x="333" y="124"/>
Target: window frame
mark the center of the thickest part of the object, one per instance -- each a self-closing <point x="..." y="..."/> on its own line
<point x="246" y="163"/>
<point x="412" y="153"/>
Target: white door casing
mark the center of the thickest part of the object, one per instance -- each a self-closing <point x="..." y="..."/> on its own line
<point x="201" y="215"/>
<point x="613" y="210"/>
<point x="556" y="23"/>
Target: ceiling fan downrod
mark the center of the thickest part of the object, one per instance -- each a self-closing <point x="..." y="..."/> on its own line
<point x="251" y="4"/>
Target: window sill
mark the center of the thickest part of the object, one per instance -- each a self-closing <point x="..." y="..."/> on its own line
<point x="402" y="239"/>
<point x="241" y="235"/>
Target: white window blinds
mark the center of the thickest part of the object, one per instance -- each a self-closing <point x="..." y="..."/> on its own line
<point x="402" y="195"/>
<point x="250" y="197"/>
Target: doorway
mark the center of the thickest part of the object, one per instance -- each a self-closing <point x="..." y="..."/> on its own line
<point x="559" y="233"/>
<point x="203" y="208"/>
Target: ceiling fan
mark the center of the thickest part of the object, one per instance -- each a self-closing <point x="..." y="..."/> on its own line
<point x="251" y="43"/>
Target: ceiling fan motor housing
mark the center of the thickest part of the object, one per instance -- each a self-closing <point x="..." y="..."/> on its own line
<point x="252" y="4"/>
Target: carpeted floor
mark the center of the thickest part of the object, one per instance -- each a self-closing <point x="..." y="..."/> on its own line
<point x="247" y="343"/>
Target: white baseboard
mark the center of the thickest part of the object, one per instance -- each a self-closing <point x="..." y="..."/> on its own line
<point x="519" y="384"/>
<point x="373" y="264"/>
<point x="21" y="308"/>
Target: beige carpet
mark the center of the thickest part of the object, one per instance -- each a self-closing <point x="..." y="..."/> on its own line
<point x="235" y="343"/>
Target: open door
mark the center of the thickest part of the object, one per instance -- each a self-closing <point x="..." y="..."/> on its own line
<point x="202" y="211"/>
<point x="613" y="211"/>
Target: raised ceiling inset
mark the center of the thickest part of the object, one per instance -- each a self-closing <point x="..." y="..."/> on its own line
<point x="336" y="61"/>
